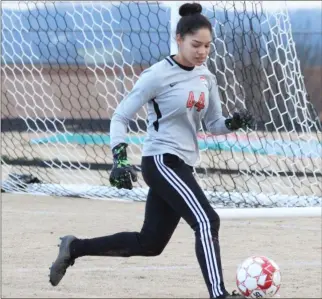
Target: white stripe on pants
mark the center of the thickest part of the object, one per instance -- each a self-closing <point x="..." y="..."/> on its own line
<point x="204" y="225"/>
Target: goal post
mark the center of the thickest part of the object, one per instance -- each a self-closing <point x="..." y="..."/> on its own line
<point x="66" y="66"/>
<point x="174" y="18"/>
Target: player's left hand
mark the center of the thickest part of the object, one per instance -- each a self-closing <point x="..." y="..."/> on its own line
<point x="240" y="120"/>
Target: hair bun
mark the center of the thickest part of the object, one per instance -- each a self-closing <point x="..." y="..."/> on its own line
<point x="188" y="9"/>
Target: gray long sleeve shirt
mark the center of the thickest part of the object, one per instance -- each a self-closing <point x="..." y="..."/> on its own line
<point x="177" y="99"/>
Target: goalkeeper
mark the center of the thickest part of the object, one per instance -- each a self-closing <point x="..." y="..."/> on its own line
<point x="179" y="92"/>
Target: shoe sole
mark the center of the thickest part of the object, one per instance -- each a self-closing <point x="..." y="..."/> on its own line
<point x="58" y="268"/>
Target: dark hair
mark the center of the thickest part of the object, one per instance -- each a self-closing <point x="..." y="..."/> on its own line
<point x="192" y="20"/>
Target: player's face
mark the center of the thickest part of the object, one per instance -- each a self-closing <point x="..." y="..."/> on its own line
<point x="194" y="48"/>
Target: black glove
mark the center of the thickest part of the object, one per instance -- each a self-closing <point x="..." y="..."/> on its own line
<point x="122" y="173"/>
<point x="240" y="120"/>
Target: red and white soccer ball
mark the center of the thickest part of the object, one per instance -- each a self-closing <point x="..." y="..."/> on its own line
<point x="258" y="277"/>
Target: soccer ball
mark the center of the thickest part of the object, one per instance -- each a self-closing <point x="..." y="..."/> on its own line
<point x="258" y="277"/>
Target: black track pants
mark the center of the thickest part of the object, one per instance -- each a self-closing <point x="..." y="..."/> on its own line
<point x="173" y="193"/>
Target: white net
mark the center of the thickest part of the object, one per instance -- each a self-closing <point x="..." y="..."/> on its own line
<point x="66" y="66"/>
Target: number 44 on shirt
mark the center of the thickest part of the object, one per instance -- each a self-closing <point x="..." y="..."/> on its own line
<point x="192" y="103"/>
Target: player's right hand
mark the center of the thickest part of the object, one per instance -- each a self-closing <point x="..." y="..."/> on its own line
<point x="122" y="173"/>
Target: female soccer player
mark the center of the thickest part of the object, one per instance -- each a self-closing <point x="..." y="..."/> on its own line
<point x="179" y="92"/>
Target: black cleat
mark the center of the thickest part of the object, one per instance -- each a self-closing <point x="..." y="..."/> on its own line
<point x="234" y="295"/>
<point x="63" y="261"/>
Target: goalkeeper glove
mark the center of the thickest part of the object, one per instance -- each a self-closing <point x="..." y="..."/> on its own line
<point x="122" y="173"/>
<point x="240" y="120"/>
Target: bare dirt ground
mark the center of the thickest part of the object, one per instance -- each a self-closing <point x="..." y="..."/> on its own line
<point x="31" y="226"/>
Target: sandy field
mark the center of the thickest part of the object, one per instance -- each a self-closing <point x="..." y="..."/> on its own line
<point x="32" y="225"/>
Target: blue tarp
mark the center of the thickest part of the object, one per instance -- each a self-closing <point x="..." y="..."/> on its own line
<point x="298" y="148"/>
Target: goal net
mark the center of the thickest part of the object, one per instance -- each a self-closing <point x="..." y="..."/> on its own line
<point x="66" y="65"/>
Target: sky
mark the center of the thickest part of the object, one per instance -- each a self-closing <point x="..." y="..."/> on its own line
<point x="269" y="5"/>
